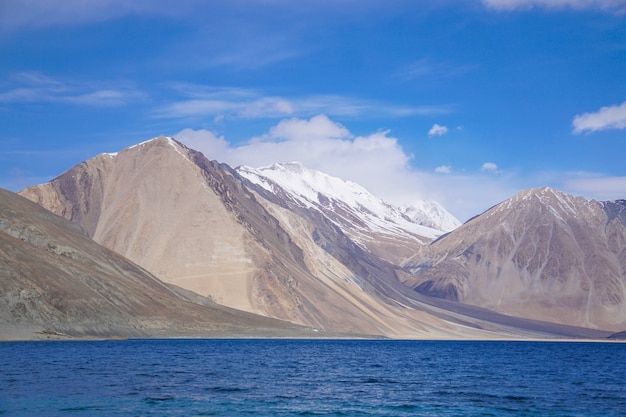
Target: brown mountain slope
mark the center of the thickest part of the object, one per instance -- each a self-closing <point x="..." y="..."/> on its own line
<point x="54" y="278"/>
<point x="542" y="254"/>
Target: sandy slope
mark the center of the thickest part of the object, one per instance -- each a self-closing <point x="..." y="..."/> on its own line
<point x="55" y="280"/>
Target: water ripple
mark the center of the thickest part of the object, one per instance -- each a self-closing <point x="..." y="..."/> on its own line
<point x="311" y="378"/>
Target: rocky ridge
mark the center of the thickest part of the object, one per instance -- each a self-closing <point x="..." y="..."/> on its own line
<point x="541" y="254"/>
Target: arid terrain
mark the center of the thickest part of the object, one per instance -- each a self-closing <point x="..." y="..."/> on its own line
<point x="200" y="248"/>
<point x="56" y="282"/>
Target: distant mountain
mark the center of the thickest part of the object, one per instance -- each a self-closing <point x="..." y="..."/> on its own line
<point x="54" y="280"/>
<point x="284" y="242"/>
<point x="431" y="214"/>
<point x="542" y="254"/>
<point x="348" y="204"/>
<point x="377" y="226"/>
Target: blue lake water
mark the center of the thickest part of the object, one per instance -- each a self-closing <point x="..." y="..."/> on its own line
<point x="311" y="378"/>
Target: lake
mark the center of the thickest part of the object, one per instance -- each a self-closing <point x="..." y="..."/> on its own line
<point x="311" y="378"/>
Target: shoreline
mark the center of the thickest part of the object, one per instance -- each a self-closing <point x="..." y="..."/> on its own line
<point x="12" y="333"/>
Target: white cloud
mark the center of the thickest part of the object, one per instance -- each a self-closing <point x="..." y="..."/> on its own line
<point x="489" y="167"/>
<point x="610" y="117"/>
<point x="318" y="143"/>
<point x="205" y="141"/>
<point x="618" y="6"/>
<point x="235" y="103"/>
<point x="376" y="161"/>
<point x="437" y="130"/>
<point x="318" y="128"/>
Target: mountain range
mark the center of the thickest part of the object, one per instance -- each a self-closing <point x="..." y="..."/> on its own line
<point x="300" y="246"/>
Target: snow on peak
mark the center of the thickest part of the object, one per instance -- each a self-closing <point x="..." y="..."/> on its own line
<point x="343" y="201"/>
<point x="432" y="214"/>
<point x="160" y="139"/>
<point x="558" y="202"/>
<point x="145" y="142"/>
<point x="312" y="186"/>
<point x="156" y="139"/>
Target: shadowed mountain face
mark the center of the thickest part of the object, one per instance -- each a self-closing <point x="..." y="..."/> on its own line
<point x="200" y="225"/>
<point x="542" y="254"/>
<point x="54" y="278"/>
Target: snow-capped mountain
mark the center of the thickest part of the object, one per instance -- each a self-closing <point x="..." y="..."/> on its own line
<point x="348" y="204"/>
<point x="431" y="214"/>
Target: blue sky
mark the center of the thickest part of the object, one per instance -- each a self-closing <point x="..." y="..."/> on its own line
<point x="462" y="101"/>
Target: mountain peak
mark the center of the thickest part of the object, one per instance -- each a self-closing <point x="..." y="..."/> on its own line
<point x="295" y="167"/>
<point x="545" y="191"/>
<point x="160" y="141"/>
<point x="432" y="214"/>
<point x="559" y="202"/>
<point x="347" y="203"/>
<point x="156" y="139"/>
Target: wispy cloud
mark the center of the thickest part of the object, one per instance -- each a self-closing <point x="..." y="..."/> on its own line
<point x="617" y="6"/>
<point x="34" y="78"/>
<point x="443" y="169"/>
<point x="270" y="107"/>
<point x="600" y="187"/>
<point x="34" y="87"/>
<point x="609" y="117"/>
<point x="18" y="14"/>
<point x="236" y="103"/>
<point x="267" y="48"/>
<point x="597" y="185"/>
<point x="426" y="67"/>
